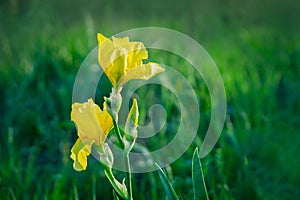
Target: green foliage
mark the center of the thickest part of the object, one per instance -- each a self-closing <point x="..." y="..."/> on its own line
<point x="199" y="187"/>
<point x="171" y="194"/>
<point x="42" y="45"/>
<point x="115" y="196"/>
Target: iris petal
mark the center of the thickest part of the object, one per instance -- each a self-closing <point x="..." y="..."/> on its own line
<point x="79" y="153"/>
<point x="118" y="64"/>
<point x="143" y="72"/>
<point x="91" y="122"/>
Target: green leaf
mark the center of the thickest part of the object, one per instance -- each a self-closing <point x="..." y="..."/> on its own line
<point x="115" y="196"/>
<point x="166" y="184"/>
<point x="199" y="187"/>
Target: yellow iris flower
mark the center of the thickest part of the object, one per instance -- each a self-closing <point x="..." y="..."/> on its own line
<point x="122" y="60"/>
<point x="93" y="126"/>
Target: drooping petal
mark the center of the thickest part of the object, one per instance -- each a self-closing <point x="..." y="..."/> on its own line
<point x="91" y="122"/>
<point x="143" y="72"/>
<point x="79" y="153"/>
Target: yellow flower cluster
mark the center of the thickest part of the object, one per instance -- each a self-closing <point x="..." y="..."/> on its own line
<point x="121" y="61"/>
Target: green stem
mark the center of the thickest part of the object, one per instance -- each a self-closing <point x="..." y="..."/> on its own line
<point x="116" y="185"/>
<point x="118" y="133"/>
<point x="127" y="162"/>
<point x="128" y="174"/>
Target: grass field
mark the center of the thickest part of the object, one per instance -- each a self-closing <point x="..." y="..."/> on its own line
<point x="256" y="47"/>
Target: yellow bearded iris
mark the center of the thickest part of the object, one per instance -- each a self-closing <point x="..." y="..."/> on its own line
<point x="122" y="60"/>
<point x="93" y="126"/>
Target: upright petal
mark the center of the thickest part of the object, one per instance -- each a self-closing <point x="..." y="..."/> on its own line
<point x="136" y="51"/>
<point x="105" y="50"/>
<point x="79" y="153"/>
<point x="101" y="38"/>
<point x="120" y="42"/>
<point x="117" y="66"/>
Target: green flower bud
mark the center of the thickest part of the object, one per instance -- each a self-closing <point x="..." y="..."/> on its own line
<point x="131" y="125"/>
<point x="106" y="157"/>
<point x="114" y="103"/>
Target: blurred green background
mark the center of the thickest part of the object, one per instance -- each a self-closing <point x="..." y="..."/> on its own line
<point x="255" y="44"/>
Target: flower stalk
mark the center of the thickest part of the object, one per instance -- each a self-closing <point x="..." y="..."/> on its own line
<point x="119" y="136"/>
<point x="121" y="61"/>
<point x="127" y="161"/>
<point x="128" y="176"/>
<point x="118" y="187"/>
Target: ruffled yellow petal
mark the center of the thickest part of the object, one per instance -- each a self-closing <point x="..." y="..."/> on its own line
<point x="143" y="72"/>
<point x="79" y="153"/>
<point x="91" y="122"/>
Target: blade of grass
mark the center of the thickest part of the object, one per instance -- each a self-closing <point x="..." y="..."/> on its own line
<point x="166" y="184"/>
<point x="115" y="196"/>
<point x="75" y="192"/>
<point x="94" y="188"/>
<point x="199" y="187"/>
